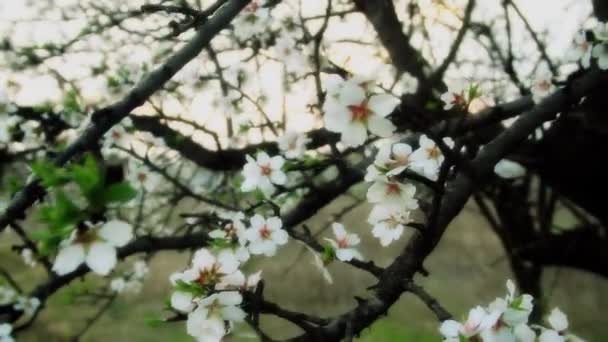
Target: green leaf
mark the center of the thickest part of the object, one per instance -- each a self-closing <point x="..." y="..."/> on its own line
<point x="88" y="176"/>
<point x="154" y="322"/>
<point x="70" y="102"/>
<point x="61" y="213"/>
<point x="49" y="174"/>
<point x="121" y="192"/>
<point x="193" y="288"/>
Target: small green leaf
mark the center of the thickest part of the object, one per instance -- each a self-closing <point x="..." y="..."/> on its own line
<point x="49" y="174"/>
<point x="154" y="322"/>
<point x="193" y="288"/>
<point x="88" y="176"/>
<point x="121" y="192"/>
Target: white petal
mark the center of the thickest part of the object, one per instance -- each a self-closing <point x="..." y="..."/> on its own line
<point x="558" y="320"/>
<point x="274" y="223"/>
<point x="182" y="301"/>
<point x="336" y="118"/>
<point x="233" y="314"/>
<point x="278" y="177"/>
<point x="279" y="236"/>
<point x="380" y="126"/>
<point x="68" y="259"/>
<point x="257" y="221"/>
<point x="354" y="134"/>
<point x="351" y="94"/>
<point x="116" y="232"/>
<point x="383" y="104"/>
<point x="101" y="258"/>
<point x="450" y="328"/>
<point x="276" y="162"/>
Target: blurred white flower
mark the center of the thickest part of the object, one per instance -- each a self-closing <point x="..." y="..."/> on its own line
<point x="262" y="173"/>
<point x="293" y="144"/>
<point x="353" y="113"/>
<point x="345" y="243"/>
<point x="207" y="322"/>
<point x="95" y="246"/>
<point x="509" y="169"/>
<point x="392" y="194"/>
<point x="388" y="223"/>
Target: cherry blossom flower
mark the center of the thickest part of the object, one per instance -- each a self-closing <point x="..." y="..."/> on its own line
<point x="293" y="144"/>
<point x="285" y="50"/>
<point x="559" y="324"/>
<point x="344" y="244"/>
<point x="353" y="113"/>
<point x="28" y="257"/>
<point x="5" y="332"/>
<point x="96" y="247"/>
<point x="478" y="320"/>
<point x="391" y="160"/>
<point x="427" y="159"/>
<point x="234" y="231"/>
<point x="393" y="194"/>
<point x="542" y="85"/>
<point x="253" y="21"/>
<point x="388" y="223"/>
<point x="262" y="173"/>
<point x="138" y="173"/>
<point x="207" y="322"/>
<point x="207" y="270"/>
<point x="265" y="235"/>
<point x="455" y="97"/>
<point x="601" y="32"/>
<point x="509" y="169"/>
<point x="582" y="49"/>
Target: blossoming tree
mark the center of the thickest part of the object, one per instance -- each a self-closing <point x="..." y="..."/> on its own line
<point x="220" y="126"/>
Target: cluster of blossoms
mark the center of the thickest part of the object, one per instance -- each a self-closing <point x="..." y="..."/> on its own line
<point x="586" y="47"/>
<point x="506" y="319"/>
<point x="393" y="200"/>
<point x="210" y="291"/>
<point x="252" y="22"/>
<point x="132" y="281"/>
<point x="95" y="245"/>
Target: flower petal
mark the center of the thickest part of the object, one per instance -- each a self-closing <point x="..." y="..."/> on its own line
<point x="101" y="258"/>
<point x="116" y="232"/>
<point x="68" y="259"/>
<point x="382" y="104"/>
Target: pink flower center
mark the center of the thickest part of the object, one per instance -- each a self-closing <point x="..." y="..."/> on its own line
<point x="544" y="85"/>
<point x="392" y="188"/>
<point x="434" y="152"/>
<point x="209" y="276"/>
<point x="265" y="170"/>
<point x="265" y="232"/>
<point x="359" y="112"/>
<point x="342" y="243"/>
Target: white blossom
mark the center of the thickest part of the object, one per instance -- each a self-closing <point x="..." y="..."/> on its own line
<point x="253" y="21"/>
<point x="286" y="51"/>
<point x="345" y="243"/>
<point x="428" y="158"/>
<point x="207" y="322"/>
<point x="293" y="144"/>
<point x="388" y="223"/>
<point x="509" y="169"/>
<point x="262" y="173"/>
<point x="581" y="50"/>
<point x="393" y="194"/>
<point x="265" y="235"/>
<point x="353" y="113"/>
<point x="96" y="247"/>
<point x="542" y="85"/>
<point x="391" y="160"/>
<point x="5" y="332"/>
<point x="454" y="97"/>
